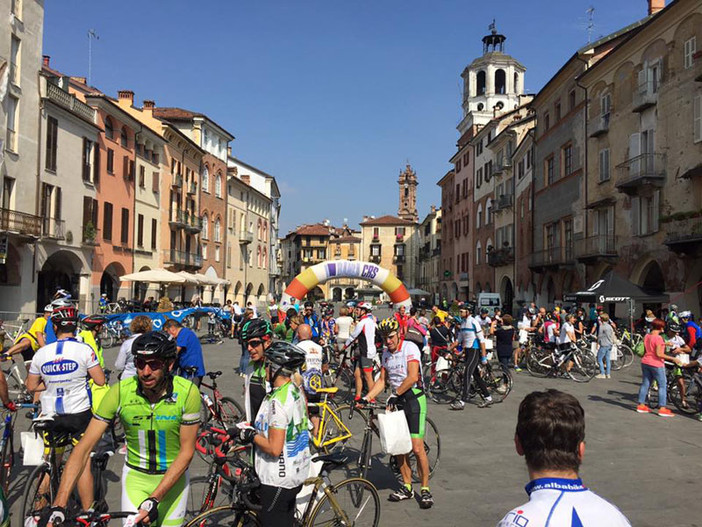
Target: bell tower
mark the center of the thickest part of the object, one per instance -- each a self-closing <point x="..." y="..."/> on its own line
<point x="408" y="194"/>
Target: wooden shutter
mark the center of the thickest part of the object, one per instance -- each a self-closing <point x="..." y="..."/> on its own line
<point x="154" y="228"/>
<point x="125" y="167"/>
<point x="85" y="162"/>
<point x="57" y="203"/>
<point x="94" y="212"/>
<point x="87" y="205"/>
<point x="635" y="215"/>
<point x="96" y="164"/>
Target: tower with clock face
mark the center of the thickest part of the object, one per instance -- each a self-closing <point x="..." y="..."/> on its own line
<point x="408" y="194"/>
<point x="492" y="84"/>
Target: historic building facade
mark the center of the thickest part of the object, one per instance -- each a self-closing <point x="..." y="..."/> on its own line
<point x="429" y="254"/>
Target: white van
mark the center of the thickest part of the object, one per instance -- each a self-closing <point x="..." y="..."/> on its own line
<point x="490" y="301"/>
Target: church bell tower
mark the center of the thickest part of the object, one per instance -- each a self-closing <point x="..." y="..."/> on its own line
<point x="408" y="195"/>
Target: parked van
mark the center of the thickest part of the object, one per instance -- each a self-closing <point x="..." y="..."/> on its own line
<point x="490" y="301"/>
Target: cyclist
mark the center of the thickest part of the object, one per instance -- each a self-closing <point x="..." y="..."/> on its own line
<point x="473" y="341"/>
<point x="257" y="336"/>
<point x="551" y="437"/>
<point x="91" y="334"/>
<point x="363" y="362"/>
<point x="60" y="371"/>
<point x="103" y="303"/>
<point x="310" y="317"/>
<point x="401" y="369"/>
<point x="189" y="350"/>
<point x="315" y="363"/>
<point x="280" y="437"/>
<point x="160" y="413"/>
<point x="328" y="326"/>
<point x="34" y="338"/>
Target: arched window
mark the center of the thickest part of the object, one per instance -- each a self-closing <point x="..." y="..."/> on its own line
<point x="205" y="179"/>
<point x="488" y="212"/>
<point x="265" y="231"/>
<point x="481" y="83"/>
<point x="205" y="227"/>
<point x="477" y="254"/>
<point x="218" y="185"/>
<point x="515" y="89"/>
<point x="217" y="230"/>
<point x="259" y="229"/>
<point x="265" y="258"/>
<point x="500" y="81"/>
<point x="478" y="216"/>
<point x="258" y="256"/>
<point x="488" y="247"/>
<point x="124" y="139"/>
<point x="109" y="128"/>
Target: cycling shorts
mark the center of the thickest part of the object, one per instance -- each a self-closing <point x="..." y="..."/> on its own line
<point x="28" y="353"/>
<point x="137" y="486"/>
<point x="72" y="424"/>
<point x="363" y="363"/>
<point x="414" y="404"/>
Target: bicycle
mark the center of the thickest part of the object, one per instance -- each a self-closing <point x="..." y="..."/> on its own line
<point x="113" y="333"/>
<point x="577" y="364"/>
<point x="225" y="411"/>
<point x="15" y="382"/>
<point x="100" y="519"/>
<point x="13" y="331"/>
<point x="332" y="433"/>
<point x="693" y="393"/>
<point x="432" y="442"/>
<point x="7" y="452"/>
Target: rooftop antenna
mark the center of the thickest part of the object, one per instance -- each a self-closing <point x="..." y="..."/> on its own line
<point x="590" y="23"/>
<point x="92" y="35"/>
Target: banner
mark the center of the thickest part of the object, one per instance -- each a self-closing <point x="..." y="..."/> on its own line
<point x="159" y="319"/>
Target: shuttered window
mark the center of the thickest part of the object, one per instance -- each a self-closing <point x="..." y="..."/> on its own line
<point x="51" y="143"/>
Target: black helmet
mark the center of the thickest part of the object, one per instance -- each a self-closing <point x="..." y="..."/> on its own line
<point x="256" y="328"/>
<point x="675" y="328"/>
<point x="309" y="304"/>
<point x="154" y="344"/>
<point x="94" y="321"/>
<point x="285" y="355"/>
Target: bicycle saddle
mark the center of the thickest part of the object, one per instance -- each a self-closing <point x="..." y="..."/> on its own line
<point x="190" y="370"/>
<point x="214" y="374"/>
<point x="336" y="459"/>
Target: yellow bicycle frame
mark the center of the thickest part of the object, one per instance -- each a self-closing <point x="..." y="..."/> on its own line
<point x="328" y="414"/>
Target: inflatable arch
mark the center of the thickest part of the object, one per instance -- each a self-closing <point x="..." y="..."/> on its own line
<point x="321" y="272"/>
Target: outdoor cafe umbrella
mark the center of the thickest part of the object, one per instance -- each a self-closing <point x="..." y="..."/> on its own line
<point x="155" y="276"/>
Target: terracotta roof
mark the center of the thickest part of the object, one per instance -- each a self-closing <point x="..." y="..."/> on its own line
<point x="316" y="229"/>
<point x="387" y="220"/>
<point x="175" y="114"/>
<point x="347" y="239"/>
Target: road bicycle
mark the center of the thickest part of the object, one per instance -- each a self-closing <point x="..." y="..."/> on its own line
<point x="7" y="451"/>
<point x="341" y="373"/>
<point x="574" y="363"/>
<point x="621" y="356"/>
<point x="332" y="433"/>
<point x="692" y="382"/>
<point x="223" y="411"/>
<point x="13" y="331"/>
<point x="15" y="381"/>
<point x="113" y="333"/>
<point x="100" y="519"/>
<point x="362" y="455"/>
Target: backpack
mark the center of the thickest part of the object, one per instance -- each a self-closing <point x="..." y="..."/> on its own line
<point x="414" y="336"/>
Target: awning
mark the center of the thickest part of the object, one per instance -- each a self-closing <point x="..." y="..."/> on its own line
<point x="155" y="276"/>
<point x="614" y="288"/>
<point x="418" y="292"/>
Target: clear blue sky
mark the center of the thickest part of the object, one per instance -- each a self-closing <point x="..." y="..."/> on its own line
<point x="330" y="97"/>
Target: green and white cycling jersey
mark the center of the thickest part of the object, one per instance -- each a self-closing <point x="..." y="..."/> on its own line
<point x="152" y="430"/>
<point x="284" y="408"/>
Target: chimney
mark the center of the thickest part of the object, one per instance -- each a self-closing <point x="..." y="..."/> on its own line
<point x="229" y="151"/>
<point x="82" y="80"/>
<point x="655" y="5"/>
<point x="246" y="179"/>
<point x="149" y="104"/>
<point x="46" y="59"/>
<point x="433" y="209"/>
<point x="127" y="95"/>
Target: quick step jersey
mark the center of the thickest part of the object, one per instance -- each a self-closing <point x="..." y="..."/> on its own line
<point x="556" y="502"/>
<point x="63" y="366"/>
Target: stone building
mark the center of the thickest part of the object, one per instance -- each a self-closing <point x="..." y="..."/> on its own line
<point x="429" y="254"/>
<point x="522" y="168"/>
<point x="448" y="280"/>
<point x="392" y="243"/>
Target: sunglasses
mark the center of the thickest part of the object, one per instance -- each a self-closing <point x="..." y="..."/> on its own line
<point x="153" y="364"/>
<point x="254" y="343"/>
<point x="391" y="336"/>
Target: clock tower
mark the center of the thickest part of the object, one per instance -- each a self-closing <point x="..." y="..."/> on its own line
<point x="408" y="195"/>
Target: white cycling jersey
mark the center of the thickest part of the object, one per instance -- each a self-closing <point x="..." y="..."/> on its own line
<point x="63" y="366"/>
<point x="366" y="343"/>
<point x="471" y="333"/>
<point x="558" y="502"/>
<point x="396" y="364"/>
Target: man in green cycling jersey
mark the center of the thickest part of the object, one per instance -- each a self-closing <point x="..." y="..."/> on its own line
<point x="257" y="336"/>
<point x="160" y="414"/>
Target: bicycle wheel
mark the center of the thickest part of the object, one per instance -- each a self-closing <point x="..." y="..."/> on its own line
<point x="432" y="446"/>
<point x="500" y="382"/>
<point x="583" y="368"/>
<point x="356" y="426"/>
<point x="627" y="355"/>
<point x="618" y="363"/>
<point x="441" y="387"/>
<point x="225" y="517"/>
<point x="354" y="501"/>
<point x="208" y="492"/>
<point x="230" y="412"/>
<point x="537" y="362"/>
<point x="7" y="462"/>
<point x="38" y="493"/>
<point x="692" y="395"/>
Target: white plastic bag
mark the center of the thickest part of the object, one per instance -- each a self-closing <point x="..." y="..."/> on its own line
<point x="613" y="353"/>
<point x="442" y="364"/>
<point x="394" y="433"/>
<point x="303" y="497"/>
<point x="33" y="446"/>
<point x="593" y="348"/>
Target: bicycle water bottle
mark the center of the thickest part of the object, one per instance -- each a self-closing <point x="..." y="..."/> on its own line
<point x="208" y="400"/>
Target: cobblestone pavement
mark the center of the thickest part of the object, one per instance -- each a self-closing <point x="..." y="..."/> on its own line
<point x="648" y="466"/>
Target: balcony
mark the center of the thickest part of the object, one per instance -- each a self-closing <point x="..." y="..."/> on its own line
<point x="186" y="259"/>
<point x="245" y="238"/>
<point x="399" y="237"/>
<point x="594" y="248"/>
<point x="178" y="181"/>
<point x="192" y="188"/>
<point x="193" y="223"/>
<point x="505" y="201"/>
<point x="20" y="223"/>
<point x="375" y="258"/>
<point x="600" y="126"/>
<point x="436" y="252"/>
<point x="552" y="258"/>
<point x="90" y="235"/>
<point x="684" y="237"/>
<point x="500" y="166"/>
<point x="646" y="96"/>
<point x="69" y="102"/>
<point x="463" y="277"/>
<point x="639" y="171"/>
<point x="53" y="229"/>
<point x="178" y="218"/>
<point x="398" y="258"/>
<point x="500" y="257"/>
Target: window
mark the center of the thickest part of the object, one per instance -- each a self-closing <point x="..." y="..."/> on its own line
<point x="154" y="234"/>
<point x="140" y="230"/>
<point x="558" y="111"/>
<point x="568" y="237"/>
<point x="125" y="226"/>
<point x="604" y="165"/>
<point x="110" y="161"/>
<point x="520" y="168"/>
<point x="458" y="193"/>
<point x="205" y="180"/>
<point x="697" y="118"/>
<point x="205" y="227"/>
<point x="217" y="230"/>
<point x="217" y="253"/>
<point x="154" y="182"/>
<point x="124" y="139"/>
<point x="605" y="105"/>
<point x="567" y="153"/>
<point x="218" y="186"/>
<point x="458" y="167"/>
<point x="375" y="250"/>
<point x="229" y="255"/>
<point x="478" y="252"/>
<point x="481" y="83"/>
<point x="689" y="50"/>
<point x="90" y="218"/>
<point x="12" y="118"/>
<point x="107" y="221"/>
<point x="204" y="251"/>
<point x="51" y="143"/>
<point x="15" y="60"/>
<point x="547" y="121"/>
<point x="142" y="176"/>
<point x="16" y="8"/>
<point x="109" y="128"/>
<point x="550" y="235"/>
<point x="571" y="101"/>
<point x="500" y="82"/>
<point x="321" y="254"/>
<point x="479" y="178"/>
<point x="456" y="228"/>
<point x="87" y="155"/>
<point x="478" y="216"/>
<point x="644" y="214"/>
<point x="376" y="232"/>
<point x="488" y="212"/>
<point x="548" y="169"/>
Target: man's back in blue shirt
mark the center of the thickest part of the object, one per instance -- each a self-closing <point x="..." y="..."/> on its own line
<point x="190" y="351"/>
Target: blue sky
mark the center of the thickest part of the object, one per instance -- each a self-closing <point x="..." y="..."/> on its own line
<point x="331" y="97"/>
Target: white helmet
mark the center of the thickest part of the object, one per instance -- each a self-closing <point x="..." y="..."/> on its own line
<point x="365" y="305"/>
<point x="685" y="314"/>
<point x="61" y="302"/>
<point x="48" y="308"/>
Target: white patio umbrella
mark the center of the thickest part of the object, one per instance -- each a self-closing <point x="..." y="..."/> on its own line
<point x="193" y="278"/>
<point x="155" y="276"/>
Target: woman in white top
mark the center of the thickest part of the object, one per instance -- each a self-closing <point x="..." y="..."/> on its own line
<point x="343" y="327"/>
<point x="125" y="360"/>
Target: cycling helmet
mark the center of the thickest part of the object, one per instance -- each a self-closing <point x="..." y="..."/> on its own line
<point x="351" y="303"/>
<point x="329" y="312"/>
<point x="675" y="328"/>
<point x="65" y="317"/>
<point x="673" y="307"/>
<point x="94" y="321"/>
<point x="285" y="355"/>
<point x="388" y="325"/>
<point x="61" y="293"/>
<point x="685" y="314"/>
<point x="61" y="302"/>
<point x="309" y="304"/>
<point x="365" y="305"/>
<point x="484" y="311"/>
<point x="256" y="328"/>
<point x="48" y="308"/>
<point x="532" y="311"/>
<point x="154" y="344"/>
